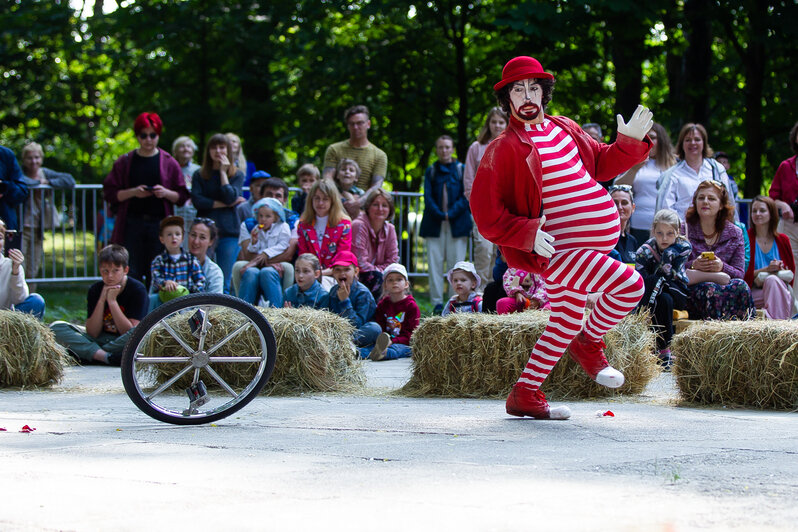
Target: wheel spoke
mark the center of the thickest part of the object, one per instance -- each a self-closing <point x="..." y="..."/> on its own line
<point x="221" y="381"/>
<point x="169" y="383"/>
<point x="203" y="329"/>
<point x="234" y="359"/>
<point x="142" y="359"/>
<point x="195" y="380"/>
<point x="176" y="336"/>
<point x="228" y="338"/>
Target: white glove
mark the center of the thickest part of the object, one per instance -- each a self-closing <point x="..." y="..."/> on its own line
<point x="543" y="241"/>
<point x="639" y="125"/>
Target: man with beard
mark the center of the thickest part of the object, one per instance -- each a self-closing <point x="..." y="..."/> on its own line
<point x="542" y="172"/>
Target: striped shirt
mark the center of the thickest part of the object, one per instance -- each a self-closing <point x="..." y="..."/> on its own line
<point x="580" y="214"/>
<point x="185" y="271"/>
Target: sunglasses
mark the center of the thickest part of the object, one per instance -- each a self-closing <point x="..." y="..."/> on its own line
<point x="622" y="188"/>
<point x="206" y="221"/>
<point x="717" y="184"/>
<point x="143" y="136"/>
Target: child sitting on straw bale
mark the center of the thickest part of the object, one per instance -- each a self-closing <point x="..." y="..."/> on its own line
<point x="174" y="272"/>
<point x="661" y="261"/>
<point x="397" y="314"/>
<point x="115" y="306"/>
<point x="524" y="290"/>
<point x="260" y="243"/>
<point x="307" y="291"/>
<point x="352" y="300"/>
<point x="463" y="277"/>
<point x="14" y="293"/>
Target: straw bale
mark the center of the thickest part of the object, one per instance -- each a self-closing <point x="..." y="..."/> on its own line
<point x="314" y="351"/>
<point x="29" y="354"/>
<point x="482" y="355"/>
<point x="750" y="363"/>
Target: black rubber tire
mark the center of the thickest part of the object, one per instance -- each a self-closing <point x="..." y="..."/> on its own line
<point x="208" y="301"/>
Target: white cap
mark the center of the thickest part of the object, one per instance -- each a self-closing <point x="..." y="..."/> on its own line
<point x="466" y="267"/>
<point x="395" y="268"/>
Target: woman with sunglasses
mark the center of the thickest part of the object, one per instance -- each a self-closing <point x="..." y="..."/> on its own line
<point x="142" y="189"/>
<point x="676" y="186"/>
<point x="624" y="200"/>
<point x="716" y="266"/>
<point x="643" y="178"/>
<point x="201" y="237"/>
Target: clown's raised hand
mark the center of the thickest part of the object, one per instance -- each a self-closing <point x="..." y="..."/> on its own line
<point x="639" y="125"/>
<point x="543" y="241"/>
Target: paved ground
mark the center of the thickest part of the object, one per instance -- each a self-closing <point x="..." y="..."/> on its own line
<point x="383" y="462"/>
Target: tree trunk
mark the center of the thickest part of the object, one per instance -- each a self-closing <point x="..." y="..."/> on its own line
<point x="628" y="52"/>
<point x="698" y="58"/>
<point x="755" y="64"/>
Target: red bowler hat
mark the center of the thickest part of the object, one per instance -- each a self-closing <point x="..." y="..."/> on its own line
<point x="521" y="67"/>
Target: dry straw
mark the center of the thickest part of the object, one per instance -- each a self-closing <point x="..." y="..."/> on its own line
<point x="314" y="351"/>
<point x="482" y="355"/>
<point x="29" y="354"/>
<point x="750" y="363"/>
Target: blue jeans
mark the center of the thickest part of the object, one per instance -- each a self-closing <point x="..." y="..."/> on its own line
<point x="394" y="351"/>
<point x="265" y="281"/>
<point x="226" y="252"/>
<point x="367" y="334"/>
<point x="33" y="304"/>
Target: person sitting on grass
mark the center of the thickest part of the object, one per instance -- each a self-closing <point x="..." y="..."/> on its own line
<point x="115" y="306"/>
<point x="174" y="272"/>
<point x="524" y="290"/>
<point x="267" y="239"/>
<point x="463" y="277"/>
<point x="14" y="293"/>
<point x="350" y="299"/>
<point x="307" y="291"/>
<point x="397" y="314"/>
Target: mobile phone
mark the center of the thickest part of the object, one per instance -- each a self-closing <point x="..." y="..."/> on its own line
<point x="149" y="188"/>
<point x="708" y="255"/>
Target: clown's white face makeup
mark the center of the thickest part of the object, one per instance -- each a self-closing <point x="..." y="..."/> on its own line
<point x="525" y="101"/>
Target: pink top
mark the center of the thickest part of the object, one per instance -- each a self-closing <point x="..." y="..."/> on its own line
<point x="785" y="182"/>
<point x="335" y="239"/>
<point x="374" y="251"/>
<point x="475" y="153"/>
<point x="512" y="280"/>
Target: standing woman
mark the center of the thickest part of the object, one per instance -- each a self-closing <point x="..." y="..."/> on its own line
<point x="142" y="189"/>
<point x="772" y="269"/>
<point x="216" y="189"/>
<point x="717" y="263"/>
<point x="483" y="251"/>
<point x="184" y="149"/>
<point x="201" y="237"/>
<point x="677" y="185"/>
<point x="40" y="209"/>
<point x="238" y="157"/>
<point x="784" y="190"/>
<point x="374" y="241"/>
<point x="643" y="178"/>
<point x="447" y="221"/>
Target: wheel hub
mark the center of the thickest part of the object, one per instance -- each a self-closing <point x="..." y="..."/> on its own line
<point x="200" y="359"/>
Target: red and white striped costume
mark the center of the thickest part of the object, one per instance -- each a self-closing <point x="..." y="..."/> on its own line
<point x="582" y="217"/>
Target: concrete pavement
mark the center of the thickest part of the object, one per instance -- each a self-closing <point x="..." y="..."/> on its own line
<point x="384" y="462"/>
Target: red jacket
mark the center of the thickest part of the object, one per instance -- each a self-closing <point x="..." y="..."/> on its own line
<point x="785" y="182"/>
<point x="785" y="253"/>
<point x="506" y="199"/>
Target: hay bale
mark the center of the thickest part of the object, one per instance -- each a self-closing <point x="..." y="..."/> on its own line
<point x="314" y="351"/>
<point x="29" y="354"/>
<point x="482" y="355"/>
<point x="750" y="363"/>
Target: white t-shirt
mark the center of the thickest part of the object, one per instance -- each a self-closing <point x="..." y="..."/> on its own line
<point x="321" y="227"/>
<point x="644" y="187"/>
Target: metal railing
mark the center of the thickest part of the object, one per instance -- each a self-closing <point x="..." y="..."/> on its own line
<point x="63" y="230"/>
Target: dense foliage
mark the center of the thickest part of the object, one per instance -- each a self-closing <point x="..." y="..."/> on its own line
<point x="281" y="73"/>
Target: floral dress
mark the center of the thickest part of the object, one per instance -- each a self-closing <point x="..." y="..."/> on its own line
<point x="334" y="240"/>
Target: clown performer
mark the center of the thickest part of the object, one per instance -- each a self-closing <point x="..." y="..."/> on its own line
<point x="541" y="173"/>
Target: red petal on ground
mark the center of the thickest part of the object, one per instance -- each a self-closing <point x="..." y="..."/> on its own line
<point x="609" y="413"/>
<point x="26" y="428"/>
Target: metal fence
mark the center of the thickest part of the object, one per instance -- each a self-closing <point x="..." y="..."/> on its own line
<point x="69" y="227"/>
<point x="63" y="230"/>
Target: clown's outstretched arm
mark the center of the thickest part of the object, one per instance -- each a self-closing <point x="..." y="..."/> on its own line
<point x="630" y="147"/>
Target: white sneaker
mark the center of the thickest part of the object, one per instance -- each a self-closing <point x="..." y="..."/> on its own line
<point x="380" y="346"/>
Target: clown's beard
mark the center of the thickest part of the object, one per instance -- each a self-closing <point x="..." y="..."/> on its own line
<point x="527" y="112"/>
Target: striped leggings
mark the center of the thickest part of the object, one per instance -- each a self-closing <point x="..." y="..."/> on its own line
<point x="571" y="275"/>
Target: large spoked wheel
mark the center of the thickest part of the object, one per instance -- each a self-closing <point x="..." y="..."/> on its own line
<point x="198" y="358"/>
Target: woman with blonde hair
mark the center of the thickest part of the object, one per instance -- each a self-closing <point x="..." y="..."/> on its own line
<point x="324" y="228"/>
<point x="216" y="189"/>
<point x="643" y="178"/>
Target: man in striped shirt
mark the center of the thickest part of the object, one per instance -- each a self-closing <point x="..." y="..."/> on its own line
<point x="541" y="173"/>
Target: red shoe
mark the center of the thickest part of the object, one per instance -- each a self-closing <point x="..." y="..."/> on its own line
<point x="590" y="355"/>
<point x="524" y="401"/>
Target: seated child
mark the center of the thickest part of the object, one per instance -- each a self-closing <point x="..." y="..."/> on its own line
<point x="14" y="293"/>
<point x="346" y="175"/>
<point x="115" y="306"/>
<point x="307" y="291"/>
<point x="175" y="273"/>
<point x="397" y="314"/>
<point x="267" y="239"/>
<point x="662" y="262"/>
<point x="305" y="177"/>
<point x="465" y="280"/>
<point x="524" y="290"/>
<point x="352" y="300"/>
